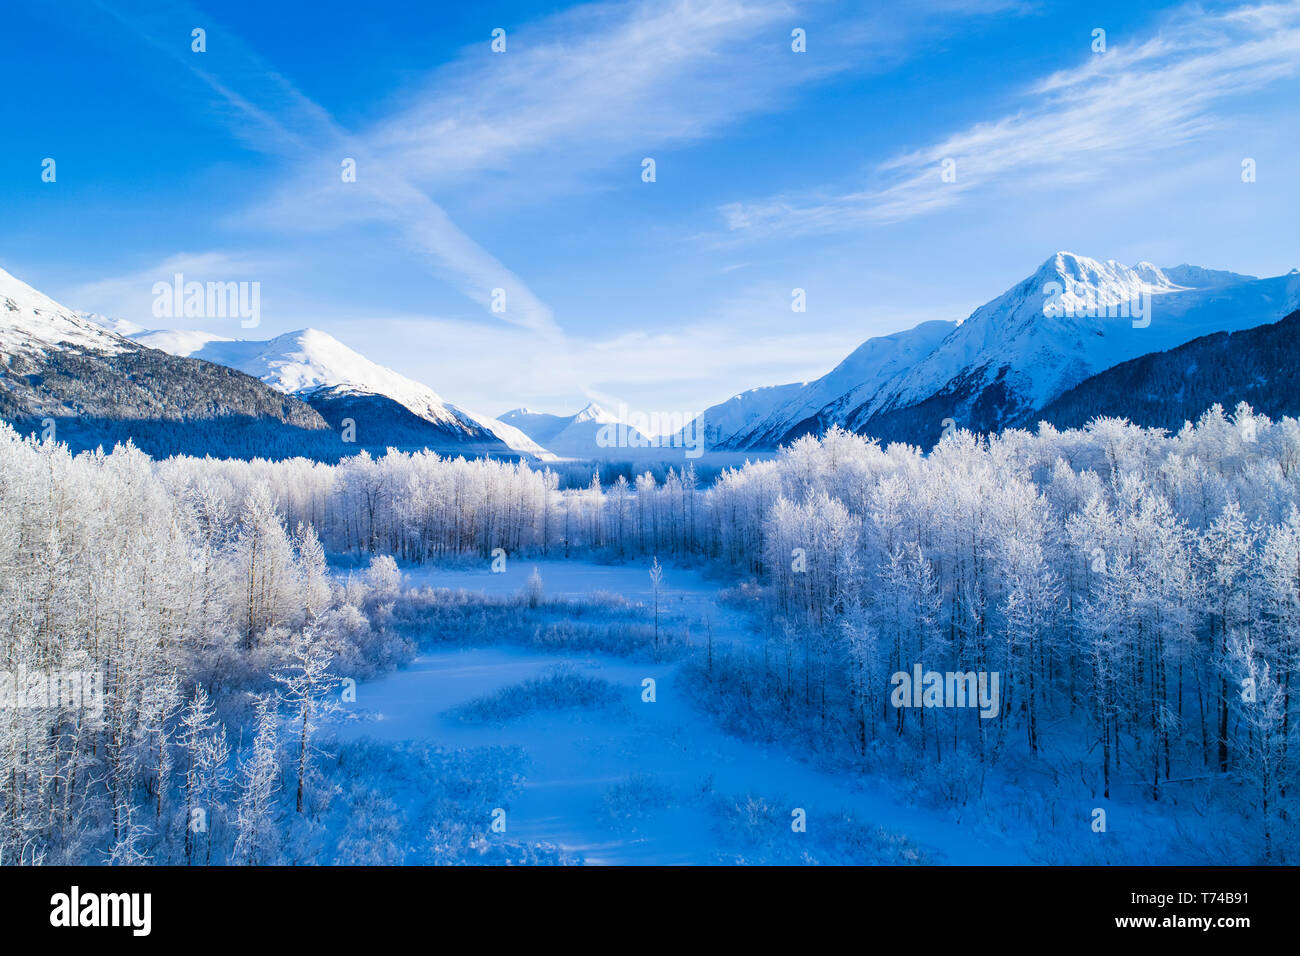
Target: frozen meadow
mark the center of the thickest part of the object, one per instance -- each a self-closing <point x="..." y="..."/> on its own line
<point x="632" y="782"/>
<point x="620" y="780"/>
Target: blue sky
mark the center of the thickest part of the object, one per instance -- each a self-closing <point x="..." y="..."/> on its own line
<point x="522" y="170"/>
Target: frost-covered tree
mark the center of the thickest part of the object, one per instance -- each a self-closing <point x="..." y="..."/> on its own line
<point x="202" y="739"/>
<point x="256" y="825"/>
<point x="308" y="693"/>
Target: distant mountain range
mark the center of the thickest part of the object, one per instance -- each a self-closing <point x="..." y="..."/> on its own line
<point x="91" y="381"/>
<point x="593" y="432"/>
<point x="775" y="415"/>
<point x="1073" y="318"/>
<point x="1075" y="339"/>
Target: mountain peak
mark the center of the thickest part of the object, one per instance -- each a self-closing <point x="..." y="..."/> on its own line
<point x="1151" y="274"/>
<point x="1108" y="281"/>
<point x="1065" y="262"/>
<point x="594" y="413"/>
<point x="312" y="335"/>
<point x="1072" y="318"/>
<point x="312" y="364"/>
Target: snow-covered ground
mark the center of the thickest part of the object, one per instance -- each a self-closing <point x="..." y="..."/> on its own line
<point x="671" y="765"/>
<point x="684" y="594"/>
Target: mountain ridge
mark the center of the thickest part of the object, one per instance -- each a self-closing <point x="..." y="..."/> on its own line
<point x="322" y="371"/>
<point x="1068" y="320"/>
<point x="61" y="371"/>
<point x="591" y="432"/>
<point x="1259" y="366"/>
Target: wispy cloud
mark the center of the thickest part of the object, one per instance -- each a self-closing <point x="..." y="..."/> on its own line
<point x="582" y="90"/>
<point x="649" y="369"/>
<point x="601" y="82"/>
<point x="1130" y="103"/>
<point x="274" y="117"/>
<point x="130" y="296"/>
<point x="600" y="86"/>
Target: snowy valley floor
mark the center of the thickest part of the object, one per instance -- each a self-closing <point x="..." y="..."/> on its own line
<point x="606" y="778"/>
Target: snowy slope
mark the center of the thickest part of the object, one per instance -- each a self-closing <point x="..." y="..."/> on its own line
<point x="176" y="341"/>
<point x="734" y="421"/>
<point x="762" y="417"/>
<point x="538" y="426"/>
<point x="301" y="362"/>
<point x="1069" y="320"/>
<point x="314" y="365"/>
<point x="1259" y="366"/>
<point x="1196" y="277"/>
<point x="515" y="438"/>
<point x="1043" y="352"/>
<point x="31" y="322"/>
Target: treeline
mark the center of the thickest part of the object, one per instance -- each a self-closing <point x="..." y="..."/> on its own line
<point x="142" y="385"/>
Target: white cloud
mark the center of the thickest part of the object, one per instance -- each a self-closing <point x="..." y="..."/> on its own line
<point x="276" y="118"/>
<point x="1128" y="104"/>
<point x="577" y="91"/>
<point x="600" y="81"/>
<point x="485" y="367"/>
<point x="131" y="297"/>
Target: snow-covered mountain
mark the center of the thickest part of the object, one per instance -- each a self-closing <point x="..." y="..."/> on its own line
<point x="333" y="378"/>
<point x="1072" y="318"/>
<point x="103" y="381"/>
<point x="60" y="368"/>
<point x="1259" y="366"/>
<point x="593" y="432"/>
<point x="31" y="323"/>
<point x="764" y="417"/>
